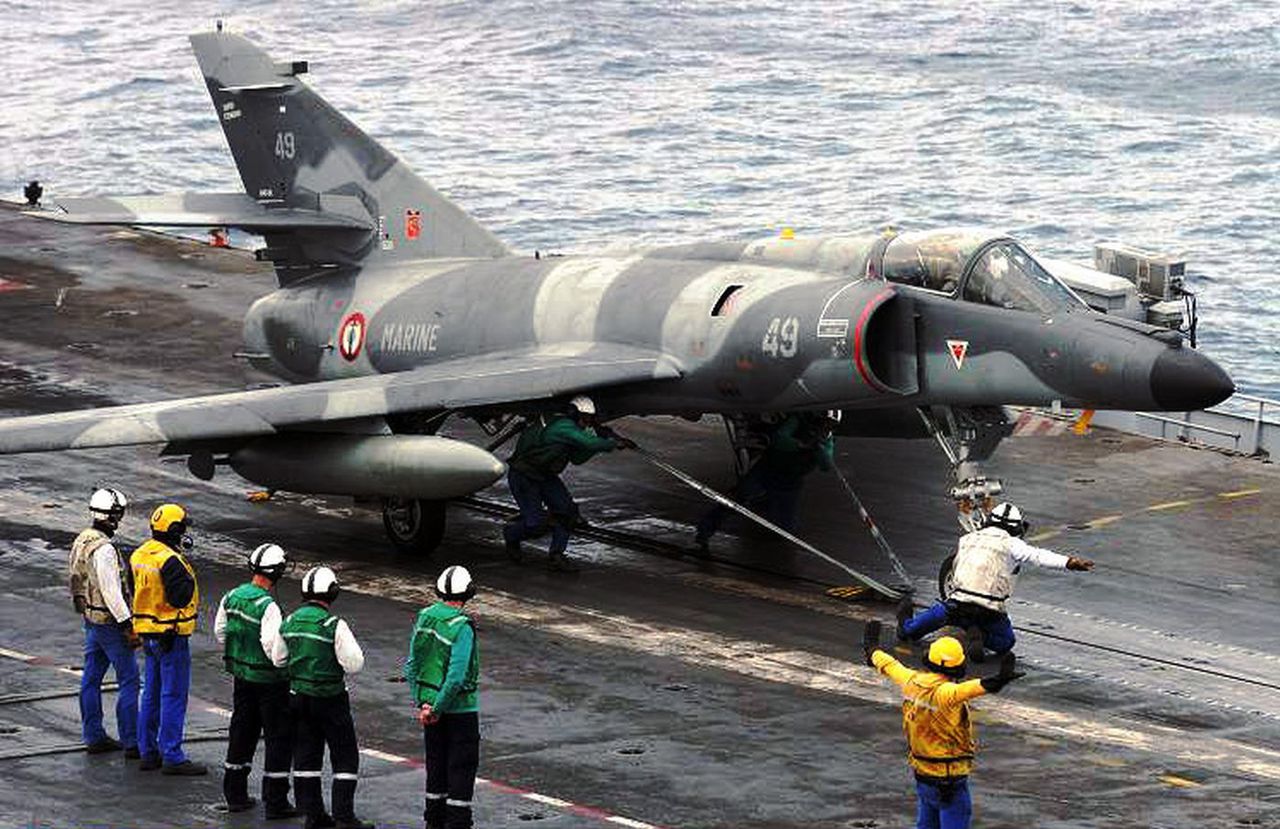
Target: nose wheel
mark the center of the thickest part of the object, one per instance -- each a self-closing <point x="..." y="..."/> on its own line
<point x="414" y="525"/>
<point x="968" y="436"/>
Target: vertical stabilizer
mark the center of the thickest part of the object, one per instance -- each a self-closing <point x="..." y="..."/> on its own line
<point x="295" y="150"/>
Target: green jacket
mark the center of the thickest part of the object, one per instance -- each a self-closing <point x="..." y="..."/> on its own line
<point x="314" y="670"/>
<point x="796" y="449"/>
<point x="243" y="652"/>
<point x="443" y="667"/>
<point x="546" y="447"/>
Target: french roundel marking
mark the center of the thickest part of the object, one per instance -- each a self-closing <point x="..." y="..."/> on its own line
<point x="351" y="336"/>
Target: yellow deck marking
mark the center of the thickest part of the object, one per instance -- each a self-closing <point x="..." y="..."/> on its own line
<point x="1179" y="782"/>
<point x="1169" y="505"/>
<point x="1097" y="523"/>
<point x="1239" y="493"/>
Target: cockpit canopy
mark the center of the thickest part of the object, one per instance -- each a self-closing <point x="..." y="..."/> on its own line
<point x="984" y="267"/>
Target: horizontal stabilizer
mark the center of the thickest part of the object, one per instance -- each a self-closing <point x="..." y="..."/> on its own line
<point x="503" y="378"/>
<point x="212" y="210"/>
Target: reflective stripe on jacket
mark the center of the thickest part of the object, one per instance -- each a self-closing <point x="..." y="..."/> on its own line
<point x="941" y="740"/>
<point x="82" y="578"/>
<point x="242" y="653"/>
<point x="434" y="636"/>
<point x="314" y="670"/>
<point x="152" y="613"/>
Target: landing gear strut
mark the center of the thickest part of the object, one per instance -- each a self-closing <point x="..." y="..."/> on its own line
<point x="968" y="436"/>
<point x="414" y="525"/>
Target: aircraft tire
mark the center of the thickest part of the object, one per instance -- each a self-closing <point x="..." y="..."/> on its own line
<point x="414" y="525"/>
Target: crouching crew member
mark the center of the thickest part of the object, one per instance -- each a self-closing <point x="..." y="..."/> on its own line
<point x="800" y="444"/>
<point x="165" y="604"/>
<point x="981" y="579"/>
<point x="443" y="670"/>
<point x="101" y="595"/>
<point x="941" y="742"/>
<point x="320" y="650"/>
<point x="545" y="448"/>
<point x="247" y="624"/>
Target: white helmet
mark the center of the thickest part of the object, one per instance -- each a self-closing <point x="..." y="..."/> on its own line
<point x="268" y="560"/>
<point x="834" y="415"/>
<point x="320" y="584"/>
<point x="108" y="504"/>
<point x="1008" y="518"/>
<point x="455" y="584"/>
<point x="583" y="405"/>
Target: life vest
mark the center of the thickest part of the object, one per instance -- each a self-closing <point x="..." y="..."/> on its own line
<point x="941" y="741"/>
<point x="151" y="613"/>
<point x="434" y="634"/>
<point x="82" y="577"/>
<point x="243" y="655"/>
<point x="983" y="572"/>
<point x="314" y="670"/>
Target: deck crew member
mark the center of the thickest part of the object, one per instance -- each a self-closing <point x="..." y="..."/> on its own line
<point x="101" y="594"/>
<point x="801" y="443"/>
<point x="546" y="446"/>
<point x="319" y="650"/>
<point x="981" y="580"/>
<point x="941" y="742"/>
<point x="247" y="624"/>
<point x="443" y="670"/>
<point x="166" y="601"/>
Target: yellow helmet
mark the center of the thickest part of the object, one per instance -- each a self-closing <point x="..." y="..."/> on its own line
<point x="165" y="516"/>
<point x="946" y="655"/>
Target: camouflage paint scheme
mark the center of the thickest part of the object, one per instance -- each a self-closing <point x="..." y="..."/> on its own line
<point x="394" y="301"/>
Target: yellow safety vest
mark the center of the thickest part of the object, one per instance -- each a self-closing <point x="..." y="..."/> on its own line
<point x="151" y="613"/>
<point x="941" y="740"/>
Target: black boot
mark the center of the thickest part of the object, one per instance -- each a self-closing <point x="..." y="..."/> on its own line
<point x="235" y="790"/>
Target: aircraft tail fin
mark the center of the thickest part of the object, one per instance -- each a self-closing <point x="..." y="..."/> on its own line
<point x="294" y="150"/>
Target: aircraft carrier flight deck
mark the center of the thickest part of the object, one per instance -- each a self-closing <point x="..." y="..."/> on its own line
<point x="651" y="688"/>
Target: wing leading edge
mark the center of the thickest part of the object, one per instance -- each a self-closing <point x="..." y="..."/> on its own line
<point x="507" y="377"/>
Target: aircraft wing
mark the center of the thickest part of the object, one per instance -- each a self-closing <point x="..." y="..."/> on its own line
<point x="212" y="210"/>
<point x="525" y="374"/>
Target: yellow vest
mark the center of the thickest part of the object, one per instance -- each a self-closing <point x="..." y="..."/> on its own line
<point x="935" y="716"/>
<point x="151" y="613"/>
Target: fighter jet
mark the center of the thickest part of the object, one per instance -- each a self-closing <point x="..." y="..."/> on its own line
<point x="396" y="310"/>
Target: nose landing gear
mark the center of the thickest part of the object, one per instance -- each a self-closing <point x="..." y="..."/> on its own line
<point x="968" y="436"/>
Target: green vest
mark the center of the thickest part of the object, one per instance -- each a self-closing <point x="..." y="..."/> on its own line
<point x="313" y="663"/>
<point x="433" y="637"/>
<point x="243" y="654"/>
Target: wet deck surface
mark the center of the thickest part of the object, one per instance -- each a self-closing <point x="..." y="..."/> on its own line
<point x="649" y="688"/>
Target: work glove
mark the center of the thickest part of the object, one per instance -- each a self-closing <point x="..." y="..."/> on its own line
<point x="870" y="641"/>
<point x="1077" y="563"/>
<point x="626" y="443"/>
<point x="131" y="638"/>
<point x="1008" y="673"/>
<point x="167" y="640"/>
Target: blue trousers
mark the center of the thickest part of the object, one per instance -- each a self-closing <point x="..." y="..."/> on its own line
<point x="106" y="645"/>
<point x="939" y="807"/>
<point x="997" y="631"/>
<point x="780" y="497"/>
<point x="163" y="708"/>
<point x="531" y="494"/>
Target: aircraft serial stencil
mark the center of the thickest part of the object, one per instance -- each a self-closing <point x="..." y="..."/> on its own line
<point x="396" y="310"/>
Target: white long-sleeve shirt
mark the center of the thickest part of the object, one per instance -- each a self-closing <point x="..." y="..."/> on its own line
<point x="106" y="571"/>
<point x="266" y="636"/>
<point x="345" y="647"/>
<point x="1022" y="553"/>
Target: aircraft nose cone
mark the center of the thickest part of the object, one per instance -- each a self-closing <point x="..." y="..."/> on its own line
<point x="1183" y="380"/>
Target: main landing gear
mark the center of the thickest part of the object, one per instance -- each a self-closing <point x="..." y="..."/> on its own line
<point x="414" y="525"/>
